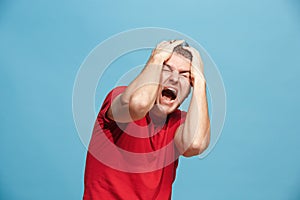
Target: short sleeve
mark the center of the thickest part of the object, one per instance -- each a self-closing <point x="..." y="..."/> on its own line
<point x="176" y="119"/>
<point x="102" y="116"/>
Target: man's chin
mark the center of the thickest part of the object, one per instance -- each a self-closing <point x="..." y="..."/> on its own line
<point x="165" y="109"/>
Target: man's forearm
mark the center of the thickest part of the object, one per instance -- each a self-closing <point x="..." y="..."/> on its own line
<point x="147" y="81"/>
<point x="140" y="95"/>
<point x="196" y="130"/>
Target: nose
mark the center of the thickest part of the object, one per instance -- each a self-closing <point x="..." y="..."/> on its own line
<point x="174" y="76"/>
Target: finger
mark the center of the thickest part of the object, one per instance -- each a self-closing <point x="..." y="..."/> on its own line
<point x="192" y="50"/>
<point x="196" y="52"/>
<point x="197" y="60"/>
<point x="175" y="43"/>
<point x="162" y="44"/>
<point x="169" y="46"/>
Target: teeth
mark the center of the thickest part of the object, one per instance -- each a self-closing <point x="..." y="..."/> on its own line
<point x="173" y="90"/>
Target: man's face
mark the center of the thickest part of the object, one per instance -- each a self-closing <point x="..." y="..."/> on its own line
<point x="174" y="83"/>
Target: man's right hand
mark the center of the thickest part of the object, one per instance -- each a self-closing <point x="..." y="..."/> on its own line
<point x="139" y="97"/>
<point x="164" y="50"/>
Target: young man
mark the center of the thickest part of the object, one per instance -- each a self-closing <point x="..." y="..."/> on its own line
<point x="147" y="129"/>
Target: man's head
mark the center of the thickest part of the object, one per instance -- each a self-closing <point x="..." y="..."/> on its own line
<point x="175" y="80"/>
<point x="183" y="52"/>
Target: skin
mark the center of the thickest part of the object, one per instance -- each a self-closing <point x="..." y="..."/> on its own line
<point x="193" y="137"/>
<point x="176" y="75"/>
<point x="144" y="94"/>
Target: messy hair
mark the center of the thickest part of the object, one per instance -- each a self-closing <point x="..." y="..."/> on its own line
<point x="185" y="53"/>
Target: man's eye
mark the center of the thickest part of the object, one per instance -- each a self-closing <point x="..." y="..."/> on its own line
<point x="185" y="75"/>
<point x="166" y="69"/>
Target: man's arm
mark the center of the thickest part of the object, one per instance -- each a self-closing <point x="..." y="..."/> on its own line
<point x="192" y="137"/>
<point x="139" y="97"/>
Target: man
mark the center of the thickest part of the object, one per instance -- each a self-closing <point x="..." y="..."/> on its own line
<point x="144" y="118"/>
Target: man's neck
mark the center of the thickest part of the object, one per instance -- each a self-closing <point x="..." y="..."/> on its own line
<point x="157" y="116"/>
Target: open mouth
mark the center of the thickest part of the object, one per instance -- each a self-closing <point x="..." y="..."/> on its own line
<point x="169" y="93"/>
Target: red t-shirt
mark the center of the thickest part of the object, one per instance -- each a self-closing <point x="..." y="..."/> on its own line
<point x="131" y="161"/>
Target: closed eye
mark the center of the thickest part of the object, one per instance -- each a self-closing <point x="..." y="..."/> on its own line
<point x="166" y="68"/>
<point x="185" y="74"/>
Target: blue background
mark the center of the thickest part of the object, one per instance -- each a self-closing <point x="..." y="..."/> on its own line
<point x="255" y="44"/>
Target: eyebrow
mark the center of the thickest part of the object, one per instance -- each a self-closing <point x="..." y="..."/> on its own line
<point x="181" y="72"/>
<point x="185" y="71"/>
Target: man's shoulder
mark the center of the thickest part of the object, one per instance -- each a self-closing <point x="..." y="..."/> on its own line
<point x="178" y="114"/>
<point x="118" y="89"/>
<point x="115" y="92"/>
